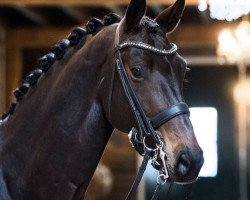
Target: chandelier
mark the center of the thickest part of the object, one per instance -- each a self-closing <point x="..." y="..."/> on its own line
<point x="234" y="46"/>
<point x="225" y="9"/>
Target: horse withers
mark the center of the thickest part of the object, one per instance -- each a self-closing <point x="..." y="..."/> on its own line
<point x="54" y="135"/>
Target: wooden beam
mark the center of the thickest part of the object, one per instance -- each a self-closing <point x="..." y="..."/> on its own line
<point x="31" y="15"/>
<point x="2" y="71"/>
<point x="193" y="35"/>
<point x="74" y="13"/>
<point x="85" y="2"/>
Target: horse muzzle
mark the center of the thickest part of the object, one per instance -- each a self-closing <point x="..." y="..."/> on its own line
<point x="188" y="166"/>
<point x="184" y="157"/>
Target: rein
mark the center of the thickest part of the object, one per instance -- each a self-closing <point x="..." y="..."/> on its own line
<point x="146" y="127"/>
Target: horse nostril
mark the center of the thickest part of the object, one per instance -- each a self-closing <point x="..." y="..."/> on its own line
<point x="183" y="164"/>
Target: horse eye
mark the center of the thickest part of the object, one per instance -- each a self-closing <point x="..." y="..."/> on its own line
<point x="136" y="71"/>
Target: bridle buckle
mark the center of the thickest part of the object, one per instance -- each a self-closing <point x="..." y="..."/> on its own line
<point x="136" y="142"/>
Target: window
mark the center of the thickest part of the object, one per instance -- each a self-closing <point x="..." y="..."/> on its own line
<point x="204" y="120"/>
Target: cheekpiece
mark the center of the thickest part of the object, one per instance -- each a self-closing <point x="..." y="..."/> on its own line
<point x="141" y="45"/>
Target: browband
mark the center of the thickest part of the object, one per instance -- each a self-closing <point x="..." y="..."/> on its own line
<point x="148" y="47"/>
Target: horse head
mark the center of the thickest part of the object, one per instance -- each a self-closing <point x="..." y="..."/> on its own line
<point x="155" y="72"/>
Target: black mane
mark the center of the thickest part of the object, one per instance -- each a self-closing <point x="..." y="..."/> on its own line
<point x="57" y="52"/>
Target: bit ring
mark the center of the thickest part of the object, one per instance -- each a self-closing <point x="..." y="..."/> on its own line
<point x="162" y="179"/>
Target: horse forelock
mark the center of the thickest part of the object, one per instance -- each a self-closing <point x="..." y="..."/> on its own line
<point x="150" y="24"/>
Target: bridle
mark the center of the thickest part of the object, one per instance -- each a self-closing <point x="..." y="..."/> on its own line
<point x="145" y="127"/>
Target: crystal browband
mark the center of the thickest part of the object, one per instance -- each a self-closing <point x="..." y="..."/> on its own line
<point x="148" y="47"/>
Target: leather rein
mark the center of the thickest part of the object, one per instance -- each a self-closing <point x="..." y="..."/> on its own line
<point x="146" y="127"/>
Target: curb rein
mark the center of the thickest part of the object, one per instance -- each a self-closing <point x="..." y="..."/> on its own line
<point x="145" y="127"/>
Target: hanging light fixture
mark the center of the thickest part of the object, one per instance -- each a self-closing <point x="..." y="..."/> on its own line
<point x="234" y="45"/>
<point x="225" y="9"/>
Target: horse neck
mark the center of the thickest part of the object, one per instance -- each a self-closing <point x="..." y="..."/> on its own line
<point x="63" y="120"/>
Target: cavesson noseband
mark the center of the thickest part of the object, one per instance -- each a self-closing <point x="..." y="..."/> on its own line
<point x="145" y="127"/>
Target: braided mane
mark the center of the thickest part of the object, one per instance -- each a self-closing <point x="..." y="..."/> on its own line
<point x="57" y="52"/>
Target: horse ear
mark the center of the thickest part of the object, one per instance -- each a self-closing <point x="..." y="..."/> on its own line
<point x="170" y="17"/>
<point x="134" y="14"/>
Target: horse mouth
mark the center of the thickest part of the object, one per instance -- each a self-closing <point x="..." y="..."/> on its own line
<point x="183" y="160"/>
<point x="185" y="169"/>
<point x="188" y="177"/>
<point x="181" y="180"/>
<point x="187" y="182"/>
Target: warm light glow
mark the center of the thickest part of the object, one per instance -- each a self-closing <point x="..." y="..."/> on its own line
<point x="225" y="36"/>
<point x="242" y="92"/>
<point x="228" y="9"/>
<point x="234" y="45"/>
<point x="228" y="46"/>
<point x="202" y="5"/>
<point x="242" y="32"/>
<point x="226" y="40"/>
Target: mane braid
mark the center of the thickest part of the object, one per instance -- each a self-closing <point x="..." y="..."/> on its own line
<point x="150" y="24"/>
<point x="57" y="52"/>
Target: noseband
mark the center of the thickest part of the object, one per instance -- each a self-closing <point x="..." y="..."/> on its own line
<point x="145" y="127"/>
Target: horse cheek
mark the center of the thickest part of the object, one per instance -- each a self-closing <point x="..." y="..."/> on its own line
<point x="121" y="115"/>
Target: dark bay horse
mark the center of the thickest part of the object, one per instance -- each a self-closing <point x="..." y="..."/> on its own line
<point x="53" y="136"/>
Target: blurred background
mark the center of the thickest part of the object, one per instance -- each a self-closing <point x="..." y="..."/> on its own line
<point x="214" y="38"/>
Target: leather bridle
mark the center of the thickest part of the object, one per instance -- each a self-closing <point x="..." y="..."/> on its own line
<point x="146" y="127"/>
